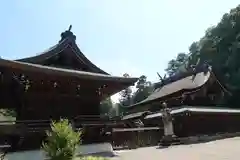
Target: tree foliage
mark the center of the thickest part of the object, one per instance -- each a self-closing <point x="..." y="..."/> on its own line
<point x="105" y="106"/>
<point x="175" y="64"/>
<point x="127" y="97"/>
<point x="220" y="47"/>
<point x="144" y="89"/>
<point x="126" y="94"/>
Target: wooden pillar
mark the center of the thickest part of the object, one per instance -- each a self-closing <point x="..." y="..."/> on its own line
<point x="18" y="92"/>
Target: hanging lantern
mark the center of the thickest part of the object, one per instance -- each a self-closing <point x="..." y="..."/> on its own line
<point x="55" y="84"/>
<point x="27" y="85"/>
<point x="22" y="76"/>
<point x="78" y="87"/>
<point x="99" y="91"/>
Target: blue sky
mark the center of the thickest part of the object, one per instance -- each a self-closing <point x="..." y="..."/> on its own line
<point x="133" y="36"/>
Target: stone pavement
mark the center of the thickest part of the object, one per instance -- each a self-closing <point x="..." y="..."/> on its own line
<point x="227" y="149"/>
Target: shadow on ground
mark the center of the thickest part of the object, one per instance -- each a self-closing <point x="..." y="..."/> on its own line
<point x="103" y="154"/>
<point x="162" y="147"/>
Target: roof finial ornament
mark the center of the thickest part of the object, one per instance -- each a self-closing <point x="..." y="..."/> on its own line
<point x="68" y="34"/>
<point x="70" y="27"/>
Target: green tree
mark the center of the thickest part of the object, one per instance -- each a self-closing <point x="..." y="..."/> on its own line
<point x="144" y="89"/>
<point x="220" y="47"/>
<point x="105" y="106"/>
<point x="126" y="95"/>
<point x="175" y="64"/>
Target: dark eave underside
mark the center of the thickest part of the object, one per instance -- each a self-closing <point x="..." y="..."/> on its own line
<point x="187" y="84"/>
<point x="63" y="72"/>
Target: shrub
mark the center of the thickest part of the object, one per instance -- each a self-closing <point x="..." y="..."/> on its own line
<point x="61" y="141"/>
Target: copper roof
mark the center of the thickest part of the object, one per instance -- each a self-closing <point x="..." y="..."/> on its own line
<point x="188" y="83"/>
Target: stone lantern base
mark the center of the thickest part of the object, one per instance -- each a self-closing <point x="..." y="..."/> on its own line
<point x="169" y="140"/>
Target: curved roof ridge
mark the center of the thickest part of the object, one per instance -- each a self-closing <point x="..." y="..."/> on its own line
<point x="47" y="53"/>
<point x="65" y="42"/>
<point x="77" y="50"/>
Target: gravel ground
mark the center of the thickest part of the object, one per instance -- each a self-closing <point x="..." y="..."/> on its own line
<point x="227" y="149"/>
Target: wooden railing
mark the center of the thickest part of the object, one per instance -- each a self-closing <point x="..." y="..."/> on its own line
<point x="42" y="125"/>
<point x="136" y="137"/>
<point x="115" y="131"/>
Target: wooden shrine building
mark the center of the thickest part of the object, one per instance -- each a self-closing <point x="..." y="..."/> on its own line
<point x="194" y="100"/>
<point x="199" y="87"/>
<point x="58" y="83"/>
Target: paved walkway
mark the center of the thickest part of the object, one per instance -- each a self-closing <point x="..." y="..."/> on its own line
<point x="227" y="149"/>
